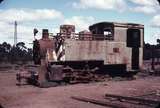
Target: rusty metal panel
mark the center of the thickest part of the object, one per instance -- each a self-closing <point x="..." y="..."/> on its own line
<point x="84" y="50"/>
<point x="85" y="35"/>
<point x="46" y="44"/>
<point x="120" y="34"/>
<point x="123" y="56"/>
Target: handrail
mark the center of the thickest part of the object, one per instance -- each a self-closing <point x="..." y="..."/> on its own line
<point x="79" y="36"/>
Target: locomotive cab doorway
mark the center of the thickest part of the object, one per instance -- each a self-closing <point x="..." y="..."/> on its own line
<point x="135" y="58"/>
<point x="134" y="41"/>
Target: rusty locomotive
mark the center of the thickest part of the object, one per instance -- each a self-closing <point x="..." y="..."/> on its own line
<point x="107" y="48"/>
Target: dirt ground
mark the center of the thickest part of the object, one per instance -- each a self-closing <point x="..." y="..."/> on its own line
<point x="28" y="96"/>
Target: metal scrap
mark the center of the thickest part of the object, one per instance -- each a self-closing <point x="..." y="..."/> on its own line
<point x="145" y="101"/>
<point x="98" y="102"/>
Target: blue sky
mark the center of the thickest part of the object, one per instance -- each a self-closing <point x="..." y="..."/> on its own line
<point x="51" y="14"/>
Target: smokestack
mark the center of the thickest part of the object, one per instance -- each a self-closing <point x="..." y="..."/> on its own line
<point x="45" y="33"/>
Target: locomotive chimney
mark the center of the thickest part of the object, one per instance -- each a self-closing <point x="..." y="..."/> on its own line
<point x="45" y="34"/>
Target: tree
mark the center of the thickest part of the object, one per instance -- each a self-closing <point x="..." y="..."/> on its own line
<point x="16" y="53"/>
<point x="4" y="51"/>
<point x="21" y="51"/>
<point x="158" y="41"/>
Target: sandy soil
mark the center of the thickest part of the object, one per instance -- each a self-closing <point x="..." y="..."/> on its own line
<point x="27" y="96"/>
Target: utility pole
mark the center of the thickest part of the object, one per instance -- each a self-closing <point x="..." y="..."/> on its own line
<point x="15" y="33"/>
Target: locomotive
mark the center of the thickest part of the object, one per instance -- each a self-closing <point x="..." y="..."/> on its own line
<point x="106" y="48"/>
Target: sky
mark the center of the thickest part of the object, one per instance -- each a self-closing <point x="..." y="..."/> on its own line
<point x="50" y="14"/>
